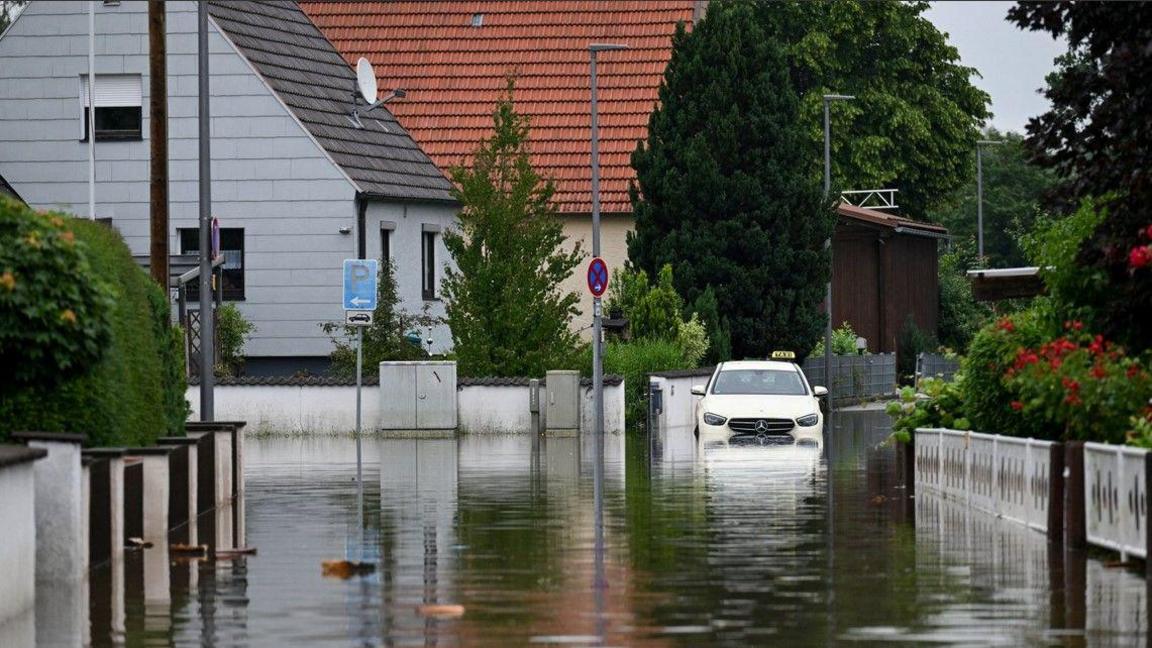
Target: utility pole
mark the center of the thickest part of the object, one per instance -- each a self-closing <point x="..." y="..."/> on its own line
<point x="828" y="99"/>
<point x="207" y="312"/>
<point x="158" y="131"/>
<point x="980" y="195"/>
<point x="597" y="331"/>
<point x="92" y="110"/>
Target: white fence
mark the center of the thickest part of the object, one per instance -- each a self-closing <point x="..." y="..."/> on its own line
<point x="1115" y="498"/>
<point x="1004" y="476"/>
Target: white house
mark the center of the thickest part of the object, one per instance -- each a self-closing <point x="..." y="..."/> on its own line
<point x="296" y="186"/>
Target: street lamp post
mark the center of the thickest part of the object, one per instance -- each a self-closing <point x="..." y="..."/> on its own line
<point x="980" y="194"/>
<point x="207" y="337"/>
<point x="597" y="341"/>
<point x="828" y="99"/>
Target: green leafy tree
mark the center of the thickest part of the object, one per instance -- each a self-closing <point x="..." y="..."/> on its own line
<point x="916" y="115"/>
<point x="725" y="189"/>
<point x="507" y="313"/>
<point x="1097" y="138"/>
<point x="1014" y="190"/>
<point x="388" y="336"/>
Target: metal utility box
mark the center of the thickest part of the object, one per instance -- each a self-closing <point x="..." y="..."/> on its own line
<point x="562" y="401"/>
<point x="418" y="395"/>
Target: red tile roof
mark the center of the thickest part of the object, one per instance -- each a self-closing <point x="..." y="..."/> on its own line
<point x="454" y="73"/>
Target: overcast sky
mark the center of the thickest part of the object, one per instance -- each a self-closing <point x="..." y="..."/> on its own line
<point x="1012" y="62"/>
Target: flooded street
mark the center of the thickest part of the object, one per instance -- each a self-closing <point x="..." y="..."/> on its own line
<point x="734" y="546"/>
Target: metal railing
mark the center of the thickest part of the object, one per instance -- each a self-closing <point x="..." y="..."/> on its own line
<point x="936" y="365"/>
<point x="1005" y="476"/>
<point x="1115" y="498"/>
<point x="855" y="377"/>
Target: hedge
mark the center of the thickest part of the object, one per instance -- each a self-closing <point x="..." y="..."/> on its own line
<point x="135" y="392"/>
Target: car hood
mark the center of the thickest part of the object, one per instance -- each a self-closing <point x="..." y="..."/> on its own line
<point x="741" y="406"/>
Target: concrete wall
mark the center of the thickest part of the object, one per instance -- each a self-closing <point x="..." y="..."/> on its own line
<point x="18" y="550"/>
<point x="315" y="409"/>
<point x="269" y="176"/>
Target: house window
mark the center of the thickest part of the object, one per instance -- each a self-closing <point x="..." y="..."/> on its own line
<point x="428" y="264"/>
<point x="385" y="244"/>
<point x="118" y="107"/>
<point x="231" y="247"/>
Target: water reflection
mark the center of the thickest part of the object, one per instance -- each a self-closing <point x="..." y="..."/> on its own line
<point x="703" y="545"/>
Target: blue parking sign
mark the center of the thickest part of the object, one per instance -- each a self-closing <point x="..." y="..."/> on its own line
<point x="360" y="284"/>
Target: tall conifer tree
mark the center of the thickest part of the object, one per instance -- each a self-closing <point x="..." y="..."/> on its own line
<point x="725" y="190"/>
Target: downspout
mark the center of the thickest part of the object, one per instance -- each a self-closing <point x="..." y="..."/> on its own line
<point x="361" y="225"/>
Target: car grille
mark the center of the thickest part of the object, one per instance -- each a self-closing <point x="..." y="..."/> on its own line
<point x="761" y="426"/>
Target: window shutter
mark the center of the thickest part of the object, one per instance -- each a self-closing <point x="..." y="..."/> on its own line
<point x="113" y="90"/>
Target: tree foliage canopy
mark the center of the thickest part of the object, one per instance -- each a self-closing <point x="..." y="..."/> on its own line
<point x="1098" y="139"/>
<point x="726" y="192"/>
<point x="916" y="116"/>
<point x="507" y="314"/>
<point x="1014" y="193"/>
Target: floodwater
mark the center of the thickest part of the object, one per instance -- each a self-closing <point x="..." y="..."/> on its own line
<point x="734" y="546"/>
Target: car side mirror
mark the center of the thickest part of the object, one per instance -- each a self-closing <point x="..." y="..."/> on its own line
<point x="819" y="391"/>
<point x="698" y="390"/>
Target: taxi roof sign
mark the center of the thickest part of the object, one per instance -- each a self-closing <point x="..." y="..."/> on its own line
<point x="783" y="355"/>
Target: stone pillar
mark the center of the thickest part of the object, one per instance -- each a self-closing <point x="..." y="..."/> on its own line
<point x="61" y="539"/>
<point x="106" y="505"/>
<point x="182" y="486"/>
<point x="18" y="549"/>
<point x="151" y="503"/>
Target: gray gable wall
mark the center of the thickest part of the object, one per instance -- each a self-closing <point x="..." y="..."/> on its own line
<point x="270" y="175"/>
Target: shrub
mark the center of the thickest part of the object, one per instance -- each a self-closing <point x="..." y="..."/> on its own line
<point x="1079" y="387"/>
<point x="135" y="393"/>
<point x="634" y="361"/>
<point x="987" y="396"/>
<point x="934" y="404"/>
<point x="233" y="330"/>
<point x="654" y="312"/>
<point x="55" y="309"/>
<point x="843" y="342"/>
<point x="961" y="316"/>
<point x="719" y="333"/>
<point x="911" y="342"/>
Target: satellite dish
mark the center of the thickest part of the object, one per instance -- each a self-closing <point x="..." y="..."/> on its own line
<point x="366" y="81"/>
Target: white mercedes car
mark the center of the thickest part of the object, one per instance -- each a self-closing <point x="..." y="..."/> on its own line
<point x="766" y="401"/>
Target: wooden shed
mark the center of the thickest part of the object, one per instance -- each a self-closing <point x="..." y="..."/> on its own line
<point x="884" y="270"/>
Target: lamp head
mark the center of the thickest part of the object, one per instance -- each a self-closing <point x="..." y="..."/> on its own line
<point x="605" y="47"/>
<point x="838" y="97"/>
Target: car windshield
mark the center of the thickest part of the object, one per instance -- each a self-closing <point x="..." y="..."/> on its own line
<point x="767" y="382"/>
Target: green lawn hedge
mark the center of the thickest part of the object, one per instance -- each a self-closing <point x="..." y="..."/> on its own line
<point x="134" y="392"/>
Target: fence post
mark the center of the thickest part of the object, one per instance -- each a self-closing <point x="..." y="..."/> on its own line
<point x="910" y="466"/>
<point x="1147" y="531"/>
<point x="1056" y="493"/>
<point x="1075" y="526"/>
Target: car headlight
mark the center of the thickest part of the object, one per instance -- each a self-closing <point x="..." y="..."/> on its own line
<point x="712" y="419"/>
<point x="808" y="421"/>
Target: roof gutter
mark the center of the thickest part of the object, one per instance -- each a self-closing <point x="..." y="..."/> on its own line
<point x="925" y="233"/>
<point x="361" y="225"/>
<point x="371" y="195"/>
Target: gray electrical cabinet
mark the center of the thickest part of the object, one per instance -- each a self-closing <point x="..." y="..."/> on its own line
<point x="562" y="401"/>
<point x="418" y="395"/>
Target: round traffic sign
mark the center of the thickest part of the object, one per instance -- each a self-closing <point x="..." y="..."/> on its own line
<point x="597" y="277"/>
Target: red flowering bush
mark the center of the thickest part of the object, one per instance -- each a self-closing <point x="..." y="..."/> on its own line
<point x="1080" y="386"/>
